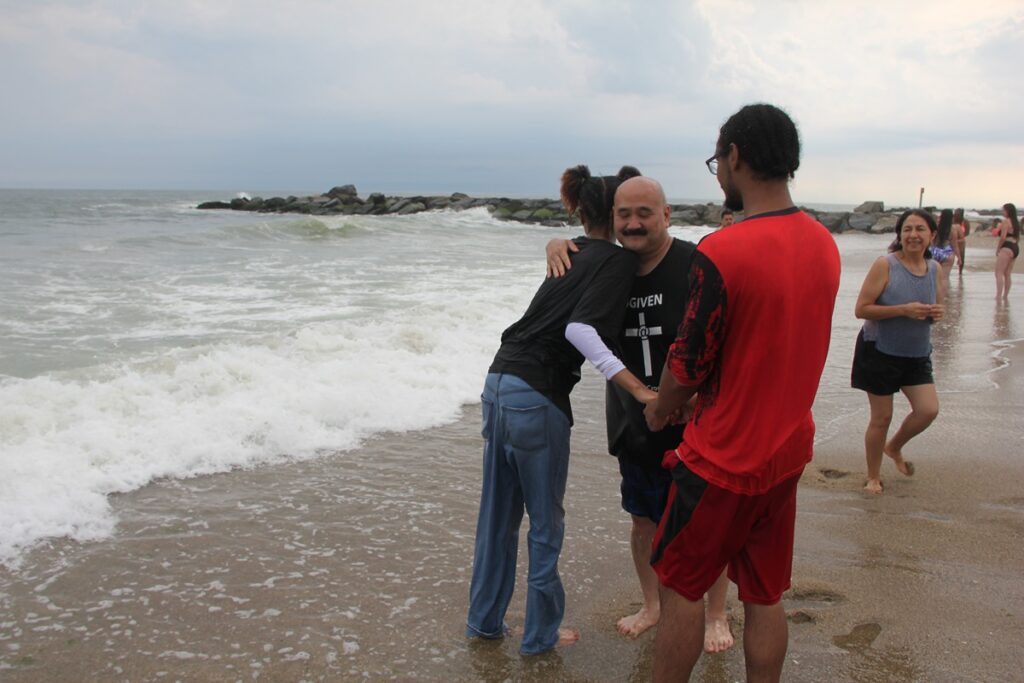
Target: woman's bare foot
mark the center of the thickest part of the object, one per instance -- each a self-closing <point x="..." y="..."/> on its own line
<point x="567" y="636"/>
<point x="717" y="634"/>
<point x="635" y="624"/>
<point x="905" y="467"/>
<point x="874" y="487"/>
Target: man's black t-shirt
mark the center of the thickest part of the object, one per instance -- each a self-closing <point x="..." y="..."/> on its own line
<point x="657" y="303"/>
<point x="592" y="292"/>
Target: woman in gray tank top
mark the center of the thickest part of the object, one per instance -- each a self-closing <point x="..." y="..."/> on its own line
<point x="900" y="298"/>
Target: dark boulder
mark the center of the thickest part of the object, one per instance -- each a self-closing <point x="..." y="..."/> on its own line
<point x="885" y="223"/>
<point x="834" y="221"/>
<point x="412" y="207"/>
<point x="861" y="221"/>
<point x="342" y="192"/>
<point x="870" y="207"/>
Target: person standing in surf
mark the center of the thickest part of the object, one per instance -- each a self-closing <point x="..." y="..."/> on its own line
<point x="751" y="347"/>
<point x="527" y="418"/>
<point x="657" y="302"/>
<point x="1007" y="250"/>
<point x="900" y="299"/>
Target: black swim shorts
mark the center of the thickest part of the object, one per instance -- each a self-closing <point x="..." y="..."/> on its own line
<point x="644" y="489"/>
<point x="883" y="375"/>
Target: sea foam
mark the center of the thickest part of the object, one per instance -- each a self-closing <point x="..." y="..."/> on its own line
<point x="405" y="355"/>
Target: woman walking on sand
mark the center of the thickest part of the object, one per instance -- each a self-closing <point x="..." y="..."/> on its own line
<point x="1007" y="249"/>
<point x="901" y="297"/>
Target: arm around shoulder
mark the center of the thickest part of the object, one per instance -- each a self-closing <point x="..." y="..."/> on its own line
<point x="557" y="251"/>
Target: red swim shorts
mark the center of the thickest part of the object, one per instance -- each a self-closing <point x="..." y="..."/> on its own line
<point x="705" y="527"/>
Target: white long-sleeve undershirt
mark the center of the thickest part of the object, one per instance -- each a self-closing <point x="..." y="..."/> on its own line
<point x="588" y="342"/>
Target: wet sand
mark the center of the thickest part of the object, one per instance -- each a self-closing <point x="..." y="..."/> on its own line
<point x="355" y="566"/>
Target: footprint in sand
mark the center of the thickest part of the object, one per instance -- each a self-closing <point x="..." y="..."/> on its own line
<point x="801" y="616"/>
<point x="830" y="473"/>
<point x="814" y="595"/>
<point x="871" y="664"/>
<point x="805" y="603"/>
<point x="859" y="639"/>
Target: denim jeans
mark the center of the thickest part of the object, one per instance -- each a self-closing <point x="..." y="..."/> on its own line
<point x="526" y="461"/>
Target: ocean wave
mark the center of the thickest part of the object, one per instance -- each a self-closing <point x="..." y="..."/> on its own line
<point x="290" y="228"/>
<point x="70" y="439"/>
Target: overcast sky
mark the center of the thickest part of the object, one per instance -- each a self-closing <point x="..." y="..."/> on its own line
<point x="499" y="96"/>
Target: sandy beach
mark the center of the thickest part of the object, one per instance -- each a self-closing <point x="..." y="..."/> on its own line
<point x="355" y="566"/>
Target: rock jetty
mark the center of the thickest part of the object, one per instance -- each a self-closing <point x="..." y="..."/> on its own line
<point x="344" y="200"/>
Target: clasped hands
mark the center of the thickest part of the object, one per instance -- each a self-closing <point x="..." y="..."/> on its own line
<point x="656" y="421"/>
<point x="919" y="311"/>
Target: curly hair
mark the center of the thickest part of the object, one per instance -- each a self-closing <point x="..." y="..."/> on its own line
<point x="767" y="140"/>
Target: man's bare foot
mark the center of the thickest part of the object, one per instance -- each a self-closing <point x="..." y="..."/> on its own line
<point x="635" y="624"/>
<point x="874" y="487"/>
<point x="905" y="467"/>
<point x="717" y="634"/>
<point x="567" y="636"/>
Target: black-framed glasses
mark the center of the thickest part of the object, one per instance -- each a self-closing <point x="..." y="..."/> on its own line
<point x="712" y="164"/>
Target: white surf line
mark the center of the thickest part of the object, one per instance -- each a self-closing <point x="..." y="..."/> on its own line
<point x="1001" y="346"/>
<point x="997" y="355"/>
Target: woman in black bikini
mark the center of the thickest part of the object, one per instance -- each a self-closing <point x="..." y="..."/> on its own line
<point x="1007" y="249"/>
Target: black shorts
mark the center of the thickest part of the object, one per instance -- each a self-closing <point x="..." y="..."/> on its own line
<point x="883" y="375"/>
<point x="644" y="489"/>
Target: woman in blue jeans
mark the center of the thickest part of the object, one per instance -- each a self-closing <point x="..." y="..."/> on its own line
<point x="527" y="417"/>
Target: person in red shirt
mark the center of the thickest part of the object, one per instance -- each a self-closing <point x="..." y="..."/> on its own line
<point x="751" y="347"/>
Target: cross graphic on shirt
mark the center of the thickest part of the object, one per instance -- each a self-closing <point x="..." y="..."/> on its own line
<point x="645" y="333"/>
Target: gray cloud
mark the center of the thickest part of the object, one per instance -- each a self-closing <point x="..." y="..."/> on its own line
<point x="499" y="96"/>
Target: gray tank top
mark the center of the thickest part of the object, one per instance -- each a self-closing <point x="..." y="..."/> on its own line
<point x="904" y="336"/>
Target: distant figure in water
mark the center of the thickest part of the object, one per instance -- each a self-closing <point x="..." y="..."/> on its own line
<point x="946" y="245"/>
<point x="527" y="418"/>
<point x="963" y="227"/>
<point x="1007" y="250"/>
<point x="901" y="297"/>
<point x="727" y="218"/>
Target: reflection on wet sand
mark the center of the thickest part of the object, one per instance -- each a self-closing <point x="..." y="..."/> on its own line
<point x="872" y="665"/>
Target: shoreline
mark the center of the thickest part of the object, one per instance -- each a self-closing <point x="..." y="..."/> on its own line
<point x="356" y="564"/>
<point x="260" y="573"/>
<point x="870" y="216"/>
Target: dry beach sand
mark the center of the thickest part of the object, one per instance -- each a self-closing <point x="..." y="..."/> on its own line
<point x="355" y="566"/>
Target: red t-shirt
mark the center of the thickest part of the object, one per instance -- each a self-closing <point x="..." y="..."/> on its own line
<point x="754" y="341"/>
